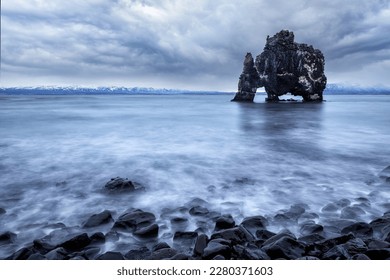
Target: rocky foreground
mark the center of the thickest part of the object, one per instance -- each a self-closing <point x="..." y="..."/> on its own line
<point x="139" y="234"/>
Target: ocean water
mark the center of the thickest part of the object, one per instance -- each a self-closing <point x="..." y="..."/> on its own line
<point x="57" y="153"/>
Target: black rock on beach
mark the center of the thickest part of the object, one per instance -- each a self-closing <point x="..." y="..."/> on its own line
<point x="196" y="230"/>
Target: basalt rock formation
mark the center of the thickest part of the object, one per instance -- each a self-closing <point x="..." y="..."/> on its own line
<point x="248" y="82"/>
<point x="283" y="67"/>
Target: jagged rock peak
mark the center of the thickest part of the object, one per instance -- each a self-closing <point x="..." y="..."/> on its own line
<point x="284" y="67"/>
<point x="248" y="81"/>
<point x="284" y="39"/>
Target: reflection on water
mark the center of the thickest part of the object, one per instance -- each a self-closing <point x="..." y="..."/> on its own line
<point x="284" y="127"/>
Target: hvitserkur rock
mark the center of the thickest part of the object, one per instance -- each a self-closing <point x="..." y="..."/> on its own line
<point x="283" y="67"/>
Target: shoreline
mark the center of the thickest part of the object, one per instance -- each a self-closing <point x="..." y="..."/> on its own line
<point x="295" y="233"/>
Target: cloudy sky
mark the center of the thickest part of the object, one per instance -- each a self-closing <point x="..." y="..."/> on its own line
<point x="184" y="43"/>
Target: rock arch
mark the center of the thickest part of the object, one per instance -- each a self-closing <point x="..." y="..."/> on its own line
<point x="283" y="67"/>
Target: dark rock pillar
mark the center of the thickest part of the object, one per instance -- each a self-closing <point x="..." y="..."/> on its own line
<point x="248" y="82"/>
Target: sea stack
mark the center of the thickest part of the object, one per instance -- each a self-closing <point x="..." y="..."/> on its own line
<point x="248" y="81"/>
<point x="283" y="67"/>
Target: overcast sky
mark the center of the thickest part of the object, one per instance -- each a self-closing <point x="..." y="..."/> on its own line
<point x="184" y="44"/>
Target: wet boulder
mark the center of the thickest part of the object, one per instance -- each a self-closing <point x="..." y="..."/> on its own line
<point x="352" y="212"/>
<point x="7" y="237"/>
<point x="295" y="211"/>
<point x="79" y="258"/>
<point x="184" y="241"/>
<point x="217" y="247"/>
<point x="98" y="219"/>
<point x="377" y="244"/>
<point x="378" y="254"/>
<point x="134" y="219"/>
<point x="355" y="246"/>
<point x="308" y="216"/>
<point x="98" y="237"/>
<point x="236" y="235"/>
<point x="198" y="211"/>
<point x="360" y="229"/>
<point x="380" y="224"/>
<point x="387" y="238"/>
<point x="180" y="257"/>
<point x="112" y="236"/>
<point x="41" y="246"/>
<point x="327" y="244"/>
<point x="254" y="223"/>
<point x="110" y="255"/>
<point x="138" y="253"/>
<point x="285" y="247"/>
<point x="278" y="236"/>
<point x="37" y="256"/>
<point x="360" y="257"/>
<point x="57" y="254"/>
<point x="249" y="253"/>
<point x="200" y="244"/>
<point x="385" y="174"/>
<point x="120" y="185"/>
<point x="196" y="202"/>
<point x="330" y="207"/>
<point x="311" y="238"/>
<point x="224" y="222"/>
<point x="338" y="252"/>
<point x="149" y="231"/>
<point x="337" y="224"/>
<point x="89" y="253"/>
<point x="22" y="254"/>
<point x="76" y="243"/>
<point x="308" y="258"/>
<point x="179" y="222"/>
<point x="163" y="253"/>
<point x="68" y="238"/>
<point x="263" y="234"/>
<point x="343" y="202"/>
<point x="160" y="245"/>
<point x="311" y="228"/>
<point x="282" y="218"/>
<point x="185" y="236"/>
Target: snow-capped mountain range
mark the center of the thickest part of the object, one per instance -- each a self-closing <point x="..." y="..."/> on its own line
<point x="344" y="89"/>
<point x="59" y="90"/>
<point x="69" y="90"/>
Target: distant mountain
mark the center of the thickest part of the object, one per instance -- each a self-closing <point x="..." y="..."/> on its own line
<point x="339" y="89"/>
<point x="351" y="89"/>
<point x="54" y="90"/>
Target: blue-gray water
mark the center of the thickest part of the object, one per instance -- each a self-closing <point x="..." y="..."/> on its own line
<point x="57" y="152"/>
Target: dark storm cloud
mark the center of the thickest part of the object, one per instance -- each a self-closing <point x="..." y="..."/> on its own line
<point x="182" y="43"/>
